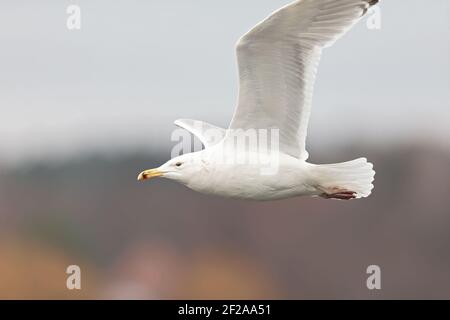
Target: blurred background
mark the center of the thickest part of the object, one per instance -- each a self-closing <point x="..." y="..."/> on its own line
<point x="82" y="112"/>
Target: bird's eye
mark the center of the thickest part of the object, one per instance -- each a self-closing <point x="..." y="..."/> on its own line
<point x="178" y="164"/>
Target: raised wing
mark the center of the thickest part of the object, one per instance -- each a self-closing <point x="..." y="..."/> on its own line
<point x="278" y="61"/>
<point x="208" y="134"/>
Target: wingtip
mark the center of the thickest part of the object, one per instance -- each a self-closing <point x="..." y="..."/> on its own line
<point x="371" y="4"/>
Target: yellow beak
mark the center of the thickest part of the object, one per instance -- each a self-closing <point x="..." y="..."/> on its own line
<point x="148" y="174"/>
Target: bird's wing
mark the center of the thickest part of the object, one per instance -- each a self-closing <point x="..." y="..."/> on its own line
<point x="208" y="134"/>
<point x="278" y="60"/>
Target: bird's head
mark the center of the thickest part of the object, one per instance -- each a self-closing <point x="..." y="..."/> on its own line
<point x="181" y="168"/>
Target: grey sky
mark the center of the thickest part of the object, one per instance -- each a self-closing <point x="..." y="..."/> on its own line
<point x="136" y="66"/>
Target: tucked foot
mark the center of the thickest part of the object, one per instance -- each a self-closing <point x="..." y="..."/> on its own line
<point x="339" y="194"/>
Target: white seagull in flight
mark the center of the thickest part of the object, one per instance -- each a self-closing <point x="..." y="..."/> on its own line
<point x="278" y="61"/>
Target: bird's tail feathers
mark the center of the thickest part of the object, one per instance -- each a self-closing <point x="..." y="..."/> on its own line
<point x="345" y="180"/>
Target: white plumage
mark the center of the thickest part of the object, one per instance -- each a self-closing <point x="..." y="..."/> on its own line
<point x="278" y="62"/>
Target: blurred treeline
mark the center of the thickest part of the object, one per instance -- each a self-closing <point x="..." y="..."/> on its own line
<point x="161" y="240"/>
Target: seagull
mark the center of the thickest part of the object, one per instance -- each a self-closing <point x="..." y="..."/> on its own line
<point x="278" y="60"/>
